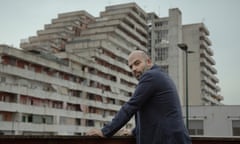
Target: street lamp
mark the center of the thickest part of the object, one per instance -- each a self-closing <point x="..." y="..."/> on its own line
<point x="184" y="47"/>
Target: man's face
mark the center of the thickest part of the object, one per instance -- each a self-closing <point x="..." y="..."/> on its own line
<point x="138" y="64"/>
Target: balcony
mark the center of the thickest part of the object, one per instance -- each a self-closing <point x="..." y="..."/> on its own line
<point x="19" y="139"/>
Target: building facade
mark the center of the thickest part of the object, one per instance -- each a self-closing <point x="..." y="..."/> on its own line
<point x="203" y="82"/>
<point x="73" y="74"/>
<point x="216" y="121"/>
<point x="165" y="35"/>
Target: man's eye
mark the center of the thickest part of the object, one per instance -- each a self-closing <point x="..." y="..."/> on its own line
<point x="136" y="63"/>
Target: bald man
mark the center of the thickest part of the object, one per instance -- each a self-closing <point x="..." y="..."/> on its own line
<point x="155" y="104"/>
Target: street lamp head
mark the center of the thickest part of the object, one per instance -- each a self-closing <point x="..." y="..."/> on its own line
<point x="189" y="52"/>
<point x="183" y="46"/>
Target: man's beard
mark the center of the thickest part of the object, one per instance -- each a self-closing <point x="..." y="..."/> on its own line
<point x="141" y="72"/>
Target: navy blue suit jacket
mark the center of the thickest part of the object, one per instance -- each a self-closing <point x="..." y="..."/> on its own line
<point x="156" y="106"/>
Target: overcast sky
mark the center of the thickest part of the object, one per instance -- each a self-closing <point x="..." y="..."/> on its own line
<point x="20" y="19"/>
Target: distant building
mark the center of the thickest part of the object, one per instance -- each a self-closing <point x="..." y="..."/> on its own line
<point x="73" y="74"/>
<point x="222" y="120"/>
<point x="203" y="82"/>
<point x="164" y="35"/>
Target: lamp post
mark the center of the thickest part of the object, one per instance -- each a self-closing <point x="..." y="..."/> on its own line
<point x="184" y="47"/>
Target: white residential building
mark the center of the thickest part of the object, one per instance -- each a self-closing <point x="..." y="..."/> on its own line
<point x="165" y="35"/>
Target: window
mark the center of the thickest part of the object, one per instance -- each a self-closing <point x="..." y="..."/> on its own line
<point x="161" y="53"/>
<point x="160" y="24"/>
<point x="196" y="127"/>
<point x="24" y="119"/>
<point x="78" y="121"/>
<point x="90" y="123"/>
<point x="162" y="35"/>
<point x="236" y="127"/>
<point x="30" y="117"/>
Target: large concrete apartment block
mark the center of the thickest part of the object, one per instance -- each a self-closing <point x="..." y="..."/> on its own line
<point x="203" y="83"/>
<point x="73" y="74"/>
<point x="165" y="34"/>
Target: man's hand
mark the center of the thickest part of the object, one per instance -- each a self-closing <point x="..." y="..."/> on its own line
<point x="94" y="132"/>
<point x="124" y="132"/>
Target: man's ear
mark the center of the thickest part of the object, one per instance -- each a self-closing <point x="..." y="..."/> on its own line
<point x="149" y="61"/>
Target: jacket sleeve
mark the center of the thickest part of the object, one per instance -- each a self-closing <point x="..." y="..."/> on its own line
<point x="143" y="91"/>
